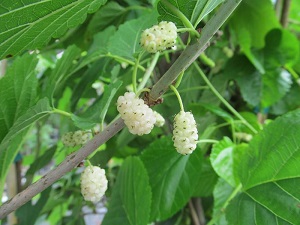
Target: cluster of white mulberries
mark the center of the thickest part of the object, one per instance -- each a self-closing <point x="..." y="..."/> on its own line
<point x="159" y="37"/>
<point x="71" y="139"/>
<point x="93" y="183"/>
<point x="137" y="116"/>
<point x="185" y="133"/>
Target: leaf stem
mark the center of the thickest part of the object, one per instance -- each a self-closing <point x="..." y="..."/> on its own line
<point x="149" y="71"/>
<point x="186" y="90"/>
<point x="219" y="96"/>
<point x="190" y="30"/>
<point x="224" y="206"/>
<point x="61" y="112"/>
<point x="208" y="141"/>
<point x="89" y="162"/>
<point x="178" y="13"/>
<point x="142" y="90"/>
<point x="178" y="97"/>
<point x="178" y="81"/>
<point x="135" y="68"/>
<point x="121" y="59"/>
<point x="292" y="72"/>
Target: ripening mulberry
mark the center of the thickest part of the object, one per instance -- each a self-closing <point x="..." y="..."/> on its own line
<point x="71" y="139"/>
<point x="160" y="121"/>
<point x="137" y="116"/>
<point x="185" y="133"/>
<point x="159" y="37"/>
<point x="93" y="183"/>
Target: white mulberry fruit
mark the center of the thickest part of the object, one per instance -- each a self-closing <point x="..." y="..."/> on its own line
<point x="67" y="139"/>
<point x="185" y="133"/>
<point x="80" y="137"/>
<point x="71" y="139"/>
<point x="159" y="37"/>
<point x="137" y="116"/>
<point x="160" y="121"/>
<point x="93" y="183"/>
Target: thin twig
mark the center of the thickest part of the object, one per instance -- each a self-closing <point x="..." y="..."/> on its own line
<point x="278" y="7"/>
<point x="285" y="13"/>
<point x="3" y="66"/>
<point x="194" y="213"/>
<point x="199" y="210"/>
<point x="66" y="166"/>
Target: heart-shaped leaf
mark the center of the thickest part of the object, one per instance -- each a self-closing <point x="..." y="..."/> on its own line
<point x="131" y="197"/>
<point x="173" y="181"/>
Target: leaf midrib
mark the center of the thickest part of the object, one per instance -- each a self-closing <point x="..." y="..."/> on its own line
<point x="30" y="25"/>
<point x="24" y="6"/>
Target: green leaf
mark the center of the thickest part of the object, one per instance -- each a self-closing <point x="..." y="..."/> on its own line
<point x="273" y="154"/>
<point x="269" y="172"/>
<point x="222" y="159"/>
<point x="98" y="49"/>
<point x="203" y="8"/>
<point x="100" y="42"/>
<point x="248" y="78"/>
<point x="8" y="155"/>
<point x="249" y="25"/>
<point x="194" y="10"/>
<point x="131" y="197"/>
<point x="294" y="16"/>
<point x="59" y="74"/>
<point x="289" y="102"/>
<point x="174" y="180"/>
<point x="282" y="47"/>
<point x="111" y="14"/>
<point x="33" y="114"/>
<point x="18" y="93"/>
<point x="215" y="110"/>
<point x="96" y="113"/>
<point x="207" y="180"/>
<point x="265" y="89"/>
<point x="12" y="142"/>
<point x="276" y="84"/>
<point x="39" y="21"/>
<point x="125" y="42"/>
<point x="41" y="161"/>
<point x="222" y="192"/>
<point x="251" y="118"/>
<point x="244" y="210"/>
<point x="86" y="80"/>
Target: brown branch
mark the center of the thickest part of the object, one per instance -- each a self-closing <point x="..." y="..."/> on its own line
<point x="278" y="7"/>
<point x="285" y="13"/>
<point x="3" y="66"/>
<point x="199" y="210"/>
<point x="194" y="213"/>
<point x="66" y="166"/>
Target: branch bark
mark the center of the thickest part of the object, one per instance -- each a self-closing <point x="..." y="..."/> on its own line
<point x="285" y="13"/>
<point x="66" y="166"/>
<point x="190" y="54"/>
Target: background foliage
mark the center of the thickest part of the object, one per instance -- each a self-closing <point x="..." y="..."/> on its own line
<point x="65" y="62"/>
